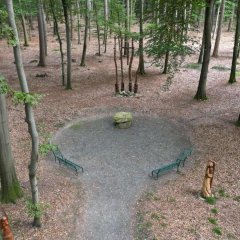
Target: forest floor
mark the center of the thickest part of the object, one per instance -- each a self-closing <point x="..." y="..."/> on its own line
<point x="173" y="210"/>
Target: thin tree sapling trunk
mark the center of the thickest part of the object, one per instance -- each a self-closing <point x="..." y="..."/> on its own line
<point x="29" y="114"/>
<point x="130" y="68"/>
<point x="59" y="40"/>
<point x="116" y="67"/>
<point x="219" y="29"/>
<point x="83" y="60"/>
<point x="69" y="44"/>
<point x="141" y="68"/>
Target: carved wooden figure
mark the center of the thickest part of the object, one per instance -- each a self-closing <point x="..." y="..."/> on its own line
<point x="5" y="227"/>
<point x="208" y="179"/>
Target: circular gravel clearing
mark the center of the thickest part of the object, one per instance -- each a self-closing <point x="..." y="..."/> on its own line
<point x="117" y="164"/>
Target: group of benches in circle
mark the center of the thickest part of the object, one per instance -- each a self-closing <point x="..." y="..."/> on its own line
<point x="180" y="161"/>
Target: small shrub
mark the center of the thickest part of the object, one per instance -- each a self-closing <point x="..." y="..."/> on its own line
<point x="212" y="220"/>
<point x="35" y="210"/>
<point x="222" y="193"/>
<point x="210" y="200"/>
<point x="217" y="230"/>
<point x="214" y="210"/>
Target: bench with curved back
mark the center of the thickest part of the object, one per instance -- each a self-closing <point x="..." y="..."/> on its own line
<point x="180" y="161"/>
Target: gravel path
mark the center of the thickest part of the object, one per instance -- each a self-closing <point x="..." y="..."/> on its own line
<point x="117" y="163"/>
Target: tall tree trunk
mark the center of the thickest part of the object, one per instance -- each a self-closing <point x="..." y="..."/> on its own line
<point x="78" y="23"/>
<point x="69" y="44"/>
<point x="42" y="50"/>
<point x="23" y="21"/>
<point x="10" y="188"/>
<point x="231" y="19"/>
<point x="95" y="8"/>
<point x="44" y="30"/>
<point x="141" y="68"/>
<point x="83" y="60"/>
<point x="105" y="24"/>
<point x="219" y="30"/>
<point x="215" y="22"/>
<point x="59" y="40"/>
<point x="29" y="114"/>
<point x="201" y="92"/>
<point x="232" y="78"/>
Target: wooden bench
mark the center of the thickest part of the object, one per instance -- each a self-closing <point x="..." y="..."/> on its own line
<point x="176" y="164"/>
<point x="62" y="160"/>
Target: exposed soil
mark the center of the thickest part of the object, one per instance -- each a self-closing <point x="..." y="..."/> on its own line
<point x="173" y="211"/>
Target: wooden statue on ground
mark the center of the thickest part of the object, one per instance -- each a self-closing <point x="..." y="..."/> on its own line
<point x="5" y="228"/>
<point x="208" y="179"/>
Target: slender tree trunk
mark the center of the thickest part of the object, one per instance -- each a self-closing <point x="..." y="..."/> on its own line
<point x="42" y="51"/>
<point x="219" y="30"/>
<point x="10" y="188"/>
<point x="29" y="114"/>
<point x="166" y="63"/>
<point x="78" y="23"/>
<point x="105" y="24"/>
<point x="98" y="28"/>
<point x="232" y="78"/>
<point x="201" y="92"/>
<point x="83" y="60"/>
<point x="59" y="40"/>
<point x="44" y="24"/>
<point x="141" y="68"/>
<point x="231" y="19"/>
<point x="215" y="22"/>
<point x="25" y="33"/>
<point x="69" y="43"/>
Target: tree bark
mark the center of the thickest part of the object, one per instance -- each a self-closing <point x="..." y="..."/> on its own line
<point x="10" y="188"/>
<point x="69" y="43"/>
<point x="219" y="29"/>
<point x="83" y="60"/>
<point x="201" y="92"/>
<point x="232" y="78"/>
<point x="42" y="50"/>
<point x="105" y="24"/>
<point x="59" y="40"/>
<point x="29" y="114"/>
<point x="141" y="68"/>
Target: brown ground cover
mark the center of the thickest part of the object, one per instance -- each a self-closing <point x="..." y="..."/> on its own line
<point x="173" y="211"/>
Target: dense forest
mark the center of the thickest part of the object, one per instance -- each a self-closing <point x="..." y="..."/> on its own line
<point x="63" y="60"/>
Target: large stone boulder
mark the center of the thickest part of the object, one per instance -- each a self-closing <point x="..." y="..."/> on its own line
<point x="123" y="119"/>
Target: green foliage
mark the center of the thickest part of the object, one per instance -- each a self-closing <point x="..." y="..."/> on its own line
<point x="35" y="210"/>
<point x="4" y="88"/>
<point x="45" y="148"/>
<point x="212" y="220"/>
<point x="214" y="210"/>
<point x="222" y="193"/>
<point x="217" y="230"/>
<point x="210" y="200"/>
<point x="26" y="98"/>
<point x="5" y="31"/>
